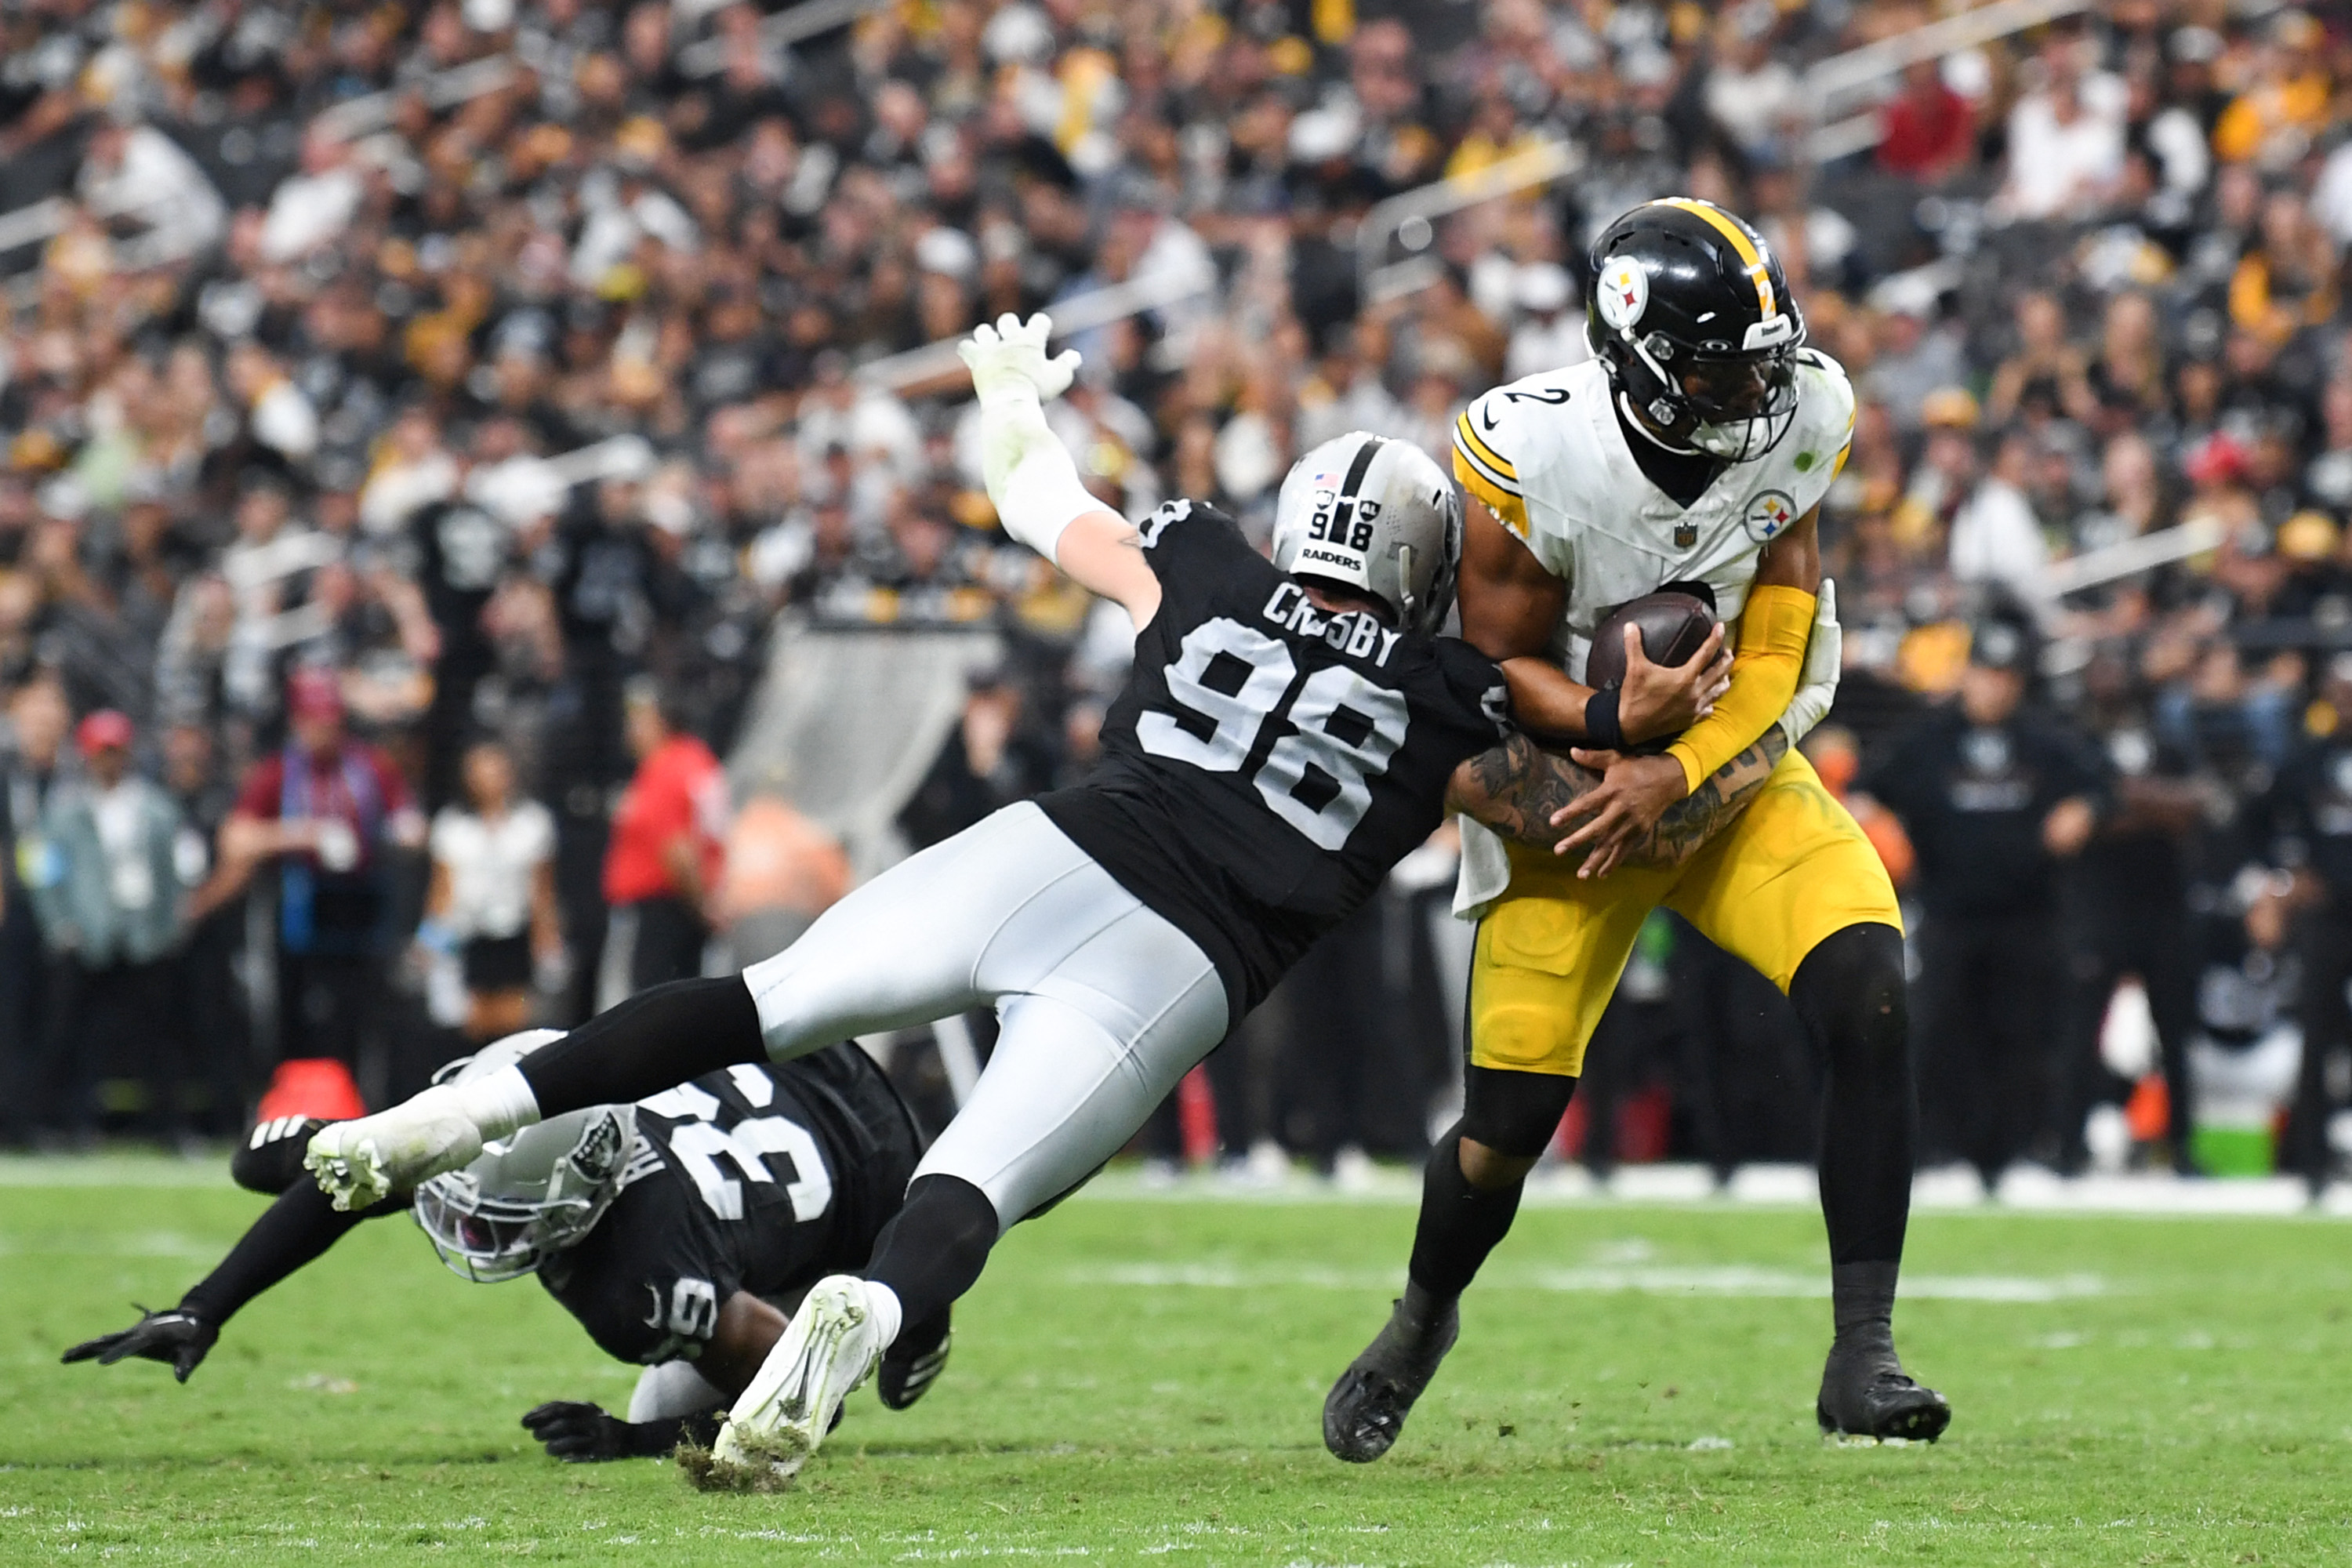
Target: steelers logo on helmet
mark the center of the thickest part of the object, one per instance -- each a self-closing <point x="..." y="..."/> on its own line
<point x="1623" y="293"/>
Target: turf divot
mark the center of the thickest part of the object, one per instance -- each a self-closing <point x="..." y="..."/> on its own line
<point x="774" y="1462"/>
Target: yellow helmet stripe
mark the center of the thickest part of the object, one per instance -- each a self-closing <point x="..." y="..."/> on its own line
<point x="1721" y="222"/>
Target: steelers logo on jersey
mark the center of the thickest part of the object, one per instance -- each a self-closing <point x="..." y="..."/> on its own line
<point x="1623" y="293"/>
<point x="1768" y="514"/>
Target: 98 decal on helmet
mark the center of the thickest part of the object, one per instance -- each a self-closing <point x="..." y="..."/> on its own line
<point x="1691" y="315"/>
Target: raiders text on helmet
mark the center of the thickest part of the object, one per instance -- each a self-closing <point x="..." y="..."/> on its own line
<point x="1376" y="514"/>
<point x="1692" y="317"/>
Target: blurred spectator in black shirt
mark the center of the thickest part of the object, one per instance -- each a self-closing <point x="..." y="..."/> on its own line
<point x="989" y="759"/>
<point x="2310" y="819"/>
<point x="2126" y="907"/>
<point x="1993" y="799"/>
<point x="38" y="717"/>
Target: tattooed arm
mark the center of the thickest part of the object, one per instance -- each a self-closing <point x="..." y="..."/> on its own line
<point x="1516" y="788"/>
<point x="1692" y="821"/>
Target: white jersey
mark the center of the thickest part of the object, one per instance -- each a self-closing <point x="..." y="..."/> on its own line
<point x="1550" y="460"/>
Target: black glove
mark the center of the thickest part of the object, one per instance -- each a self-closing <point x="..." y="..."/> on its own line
<point x="584" y="1434"/>
<point x="178" y="1337"/>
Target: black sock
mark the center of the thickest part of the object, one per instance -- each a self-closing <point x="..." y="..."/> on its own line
<point x="934" y="1249"/>
<point x="655" y="1040"/>
<point x="1861" y="1300"/>
<point x="1849" y="992"/>
<point x="1459" y="1225"/>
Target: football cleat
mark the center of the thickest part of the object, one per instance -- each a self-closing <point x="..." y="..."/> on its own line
<point x="827" y="1350"/>
<point x="1866" y="1395"/>
<point x="1365" y="1411"/>
<point x="902" y="1379"/>
<point x="361" y="1163"/>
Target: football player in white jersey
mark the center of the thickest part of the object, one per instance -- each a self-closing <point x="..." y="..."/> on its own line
<point x="1693" y="451"/>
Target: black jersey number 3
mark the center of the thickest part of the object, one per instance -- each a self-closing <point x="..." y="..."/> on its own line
<point x="1316" y="778"/>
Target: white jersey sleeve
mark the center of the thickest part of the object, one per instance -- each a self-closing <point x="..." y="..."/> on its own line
<point x="1505" y="440"/>
<point x="1815" y="447"/>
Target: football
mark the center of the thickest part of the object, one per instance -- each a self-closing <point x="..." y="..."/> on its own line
<point x="1673" y="627"/>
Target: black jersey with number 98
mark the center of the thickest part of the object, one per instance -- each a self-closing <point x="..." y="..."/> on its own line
<point x="1267" y="762"/>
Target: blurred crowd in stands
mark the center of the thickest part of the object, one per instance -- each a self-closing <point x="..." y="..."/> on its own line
<point x="417" y="417"/>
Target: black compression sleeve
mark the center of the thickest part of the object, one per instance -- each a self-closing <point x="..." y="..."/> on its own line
<point x="295" y="1230"/>
<point x="655" y="1040"/>
<point x="932" y="1250"/>
<point x="1850" y="991"/>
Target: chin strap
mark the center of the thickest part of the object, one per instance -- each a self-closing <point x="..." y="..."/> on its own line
<point x="1634" y="417"/>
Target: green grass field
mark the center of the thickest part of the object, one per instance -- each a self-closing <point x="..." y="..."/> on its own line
<point x="1138" y="1377"/>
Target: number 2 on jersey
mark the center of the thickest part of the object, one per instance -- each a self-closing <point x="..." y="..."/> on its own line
<point x="1318" y="778"/>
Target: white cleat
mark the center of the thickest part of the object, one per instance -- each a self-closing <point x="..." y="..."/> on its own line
<point x="359" y="1164"/>
<point x="827" y="1351"/>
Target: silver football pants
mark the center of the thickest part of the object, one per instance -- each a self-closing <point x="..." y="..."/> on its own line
<point x="1103" y="1004"/>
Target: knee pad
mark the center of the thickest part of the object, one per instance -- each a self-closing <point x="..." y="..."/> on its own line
<point x="1850" y="990"/>
<point x="1514" y="1113"/>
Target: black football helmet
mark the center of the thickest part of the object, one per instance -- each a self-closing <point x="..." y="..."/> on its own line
<point x="1691" y="315"/>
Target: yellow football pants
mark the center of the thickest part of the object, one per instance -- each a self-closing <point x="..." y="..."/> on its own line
<point x="1792" y="870"/>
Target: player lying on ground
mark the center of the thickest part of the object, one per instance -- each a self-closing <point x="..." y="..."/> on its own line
<point x="1288" y="731"/>
<point x="1693" y="450"/>
<point x="680" y="1231"/>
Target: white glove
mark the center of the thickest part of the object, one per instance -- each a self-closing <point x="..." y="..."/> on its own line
<point x="1010" y="355"/>
<point x="1817" y="687"/>
<point x="1030" y="476"/>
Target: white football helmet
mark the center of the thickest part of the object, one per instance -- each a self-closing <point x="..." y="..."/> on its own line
<point x="1376" y="514"/>
<point x="531" y="1194"/>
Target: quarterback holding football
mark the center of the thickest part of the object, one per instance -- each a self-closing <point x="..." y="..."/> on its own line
<point x="1692" y="452"/>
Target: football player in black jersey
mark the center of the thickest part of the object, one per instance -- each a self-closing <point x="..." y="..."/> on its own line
<point x="680" y="1231"/>
<point x="1290" y="730"/>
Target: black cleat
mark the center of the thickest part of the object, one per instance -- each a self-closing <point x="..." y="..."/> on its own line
<point x="1865" y="1392"/>
<point x="908" y="1369"/>
<point x="1365" y="1411"/>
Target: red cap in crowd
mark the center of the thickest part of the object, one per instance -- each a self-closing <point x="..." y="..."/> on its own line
<point x="313" y="694"/>
<point x="103" y="730"/>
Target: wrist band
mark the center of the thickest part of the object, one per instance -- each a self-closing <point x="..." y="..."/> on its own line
<point x="1603" y="733"/>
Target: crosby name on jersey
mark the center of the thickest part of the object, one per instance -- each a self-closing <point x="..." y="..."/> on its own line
<point x="1294" y="755"/>
<point x="1548" y="457"/>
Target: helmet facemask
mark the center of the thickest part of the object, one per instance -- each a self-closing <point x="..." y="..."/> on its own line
<point x="537" y="1193"/>
<point x="1736" y="406"/>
